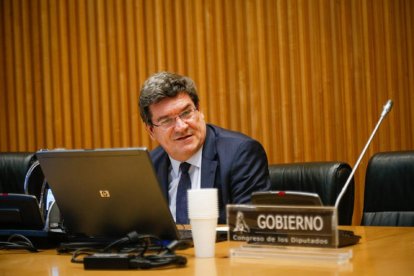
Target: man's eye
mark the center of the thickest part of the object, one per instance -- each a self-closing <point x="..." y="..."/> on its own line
<point x="185" y="114"/>
<point x="166" y="121"/>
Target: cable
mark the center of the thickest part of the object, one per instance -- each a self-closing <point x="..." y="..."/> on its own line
<point x="133" y="251"/>
<point x="131" y="238"/>
<point x="80" y="252"/>
<point x="154" y="261"/>
<point x="24" y="243"/>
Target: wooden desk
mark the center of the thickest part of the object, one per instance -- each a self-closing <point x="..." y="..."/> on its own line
<point x="381" y="251"/>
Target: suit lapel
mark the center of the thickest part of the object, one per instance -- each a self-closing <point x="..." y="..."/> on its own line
<point x="162" y="174"/>
<point x="209" y="164"/>
<point x="208" y="173"/>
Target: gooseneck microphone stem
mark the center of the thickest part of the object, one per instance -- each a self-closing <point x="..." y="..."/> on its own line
<point x="387" y="107"/>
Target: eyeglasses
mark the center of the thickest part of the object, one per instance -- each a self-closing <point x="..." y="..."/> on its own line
<point x="186" y="115"/>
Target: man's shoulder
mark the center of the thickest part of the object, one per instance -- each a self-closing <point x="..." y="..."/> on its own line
<point x="227" y="143"/>
<point x="227" y="135"/>
<point x="158" y="154"/>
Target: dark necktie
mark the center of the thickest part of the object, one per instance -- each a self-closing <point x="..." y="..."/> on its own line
<point x="181" y="214"/>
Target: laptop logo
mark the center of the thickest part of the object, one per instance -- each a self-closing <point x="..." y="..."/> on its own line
<point x="104" y="193"/>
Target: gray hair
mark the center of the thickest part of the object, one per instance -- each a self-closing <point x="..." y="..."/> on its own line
<point x="164" y="85"/>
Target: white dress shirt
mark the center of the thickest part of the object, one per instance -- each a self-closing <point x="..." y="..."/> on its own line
<point x="175" y="174"/>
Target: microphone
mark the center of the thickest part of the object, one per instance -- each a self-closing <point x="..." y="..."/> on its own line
<point x="386" y="109"/>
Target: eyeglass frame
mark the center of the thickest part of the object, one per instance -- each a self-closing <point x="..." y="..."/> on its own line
<point x="170" y="121"/>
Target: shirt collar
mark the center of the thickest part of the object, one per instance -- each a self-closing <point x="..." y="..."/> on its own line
<point x="194" y="160"/>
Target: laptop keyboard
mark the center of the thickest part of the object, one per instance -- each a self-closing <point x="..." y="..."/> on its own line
<point x="186" y="234"/>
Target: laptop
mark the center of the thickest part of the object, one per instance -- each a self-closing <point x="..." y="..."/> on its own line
<point x="107" y="193"/>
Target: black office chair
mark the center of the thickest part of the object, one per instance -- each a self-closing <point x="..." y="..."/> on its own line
<point x="324" y="178"/>
<point x="13" y="170"/>
<point x="21" y="178"/>
<point x="389" y="190"/>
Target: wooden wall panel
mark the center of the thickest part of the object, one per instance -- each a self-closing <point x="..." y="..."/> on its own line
<point x="307" y="78"/>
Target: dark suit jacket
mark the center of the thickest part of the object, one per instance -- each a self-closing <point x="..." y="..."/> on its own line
<point x="232" y="162"/>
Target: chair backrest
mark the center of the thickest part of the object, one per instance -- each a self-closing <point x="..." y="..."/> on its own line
<point x="13" y="169"/>
<point x="324" y="178"/>
<point x="18" y="173"/>
<point x="389" y="189"/>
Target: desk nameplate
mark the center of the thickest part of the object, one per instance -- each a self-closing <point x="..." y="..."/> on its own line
<point x="307" y="226"/>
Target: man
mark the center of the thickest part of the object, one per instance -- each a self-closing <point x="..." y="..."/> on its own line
<point x="231" y="162"/>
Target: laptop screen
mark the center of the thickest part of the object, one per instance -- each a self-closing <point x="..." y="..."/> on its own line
<point x="107" y="192"/>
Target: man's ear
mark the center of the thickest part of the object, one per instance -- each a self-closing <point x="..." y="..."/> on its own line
<point x="201" y="114"/>
<point x="150" y="130"/>
<point x="200" y="111"/>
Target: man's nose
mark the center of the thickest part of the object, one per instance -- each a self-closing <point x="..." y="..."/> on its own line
<point x="180" y="123"/>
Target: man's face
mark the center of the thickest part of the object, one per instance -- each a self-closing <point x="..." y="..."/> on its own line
<point x="186" y="134"/>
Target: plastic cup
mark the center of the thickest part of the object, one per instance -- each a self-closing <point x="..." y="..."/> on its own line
<point x="204" y="237"/>
<point x="203" y="214"/>
<point x="202" y="203"/>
